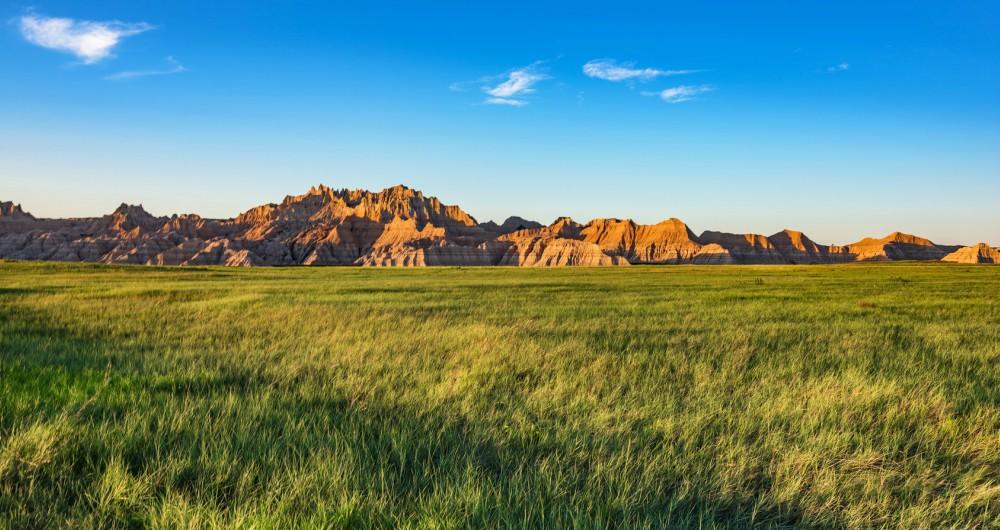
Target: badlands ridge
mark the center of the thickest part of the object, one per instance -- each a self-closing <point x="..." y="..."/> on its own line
<point x="399" y="226"/>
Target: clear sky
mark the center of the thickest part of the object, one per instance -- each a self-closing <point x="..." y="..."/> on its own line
<point x="842" y="119"/>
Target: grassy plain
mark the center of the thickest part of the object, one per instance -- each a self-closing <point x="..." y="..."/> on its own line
<point x="679" y="396"/>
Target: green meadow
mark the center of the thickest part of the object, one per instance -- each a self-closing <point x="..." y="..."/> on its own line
<point x="852" y="396"/>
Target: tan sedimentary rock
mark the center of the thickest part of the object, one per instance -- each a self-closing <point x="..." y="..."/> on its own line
<point x="240" y="258"/>
<point x="713" y="254"/>
<point x="178" y="254"/>
<point x="399" y="226"/>
<point x="556" y="245"/>
<point x="137" y="250"/>
<point x="431" y="254"/>
<point x="669" y="241"/>
<point x="220" y="252"/>
<point x="402" y="243"/>
<point x="744" y="248"/>
<point x="980" y="253"/>
<point x="796" y="247"/>
<point x="547" y="251"/>
<point x="192" y="226"/>
<point x="127" y="221"/>
<point x="562" y="227"/>
<point x="895" y="246"/>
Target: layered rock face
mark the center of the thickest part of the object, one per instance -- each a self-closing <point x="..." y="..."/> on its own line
<point x="669" y="241"/>
<point x="399" y="226"/>
<point x="744" y="248"/>
<point x="796" y="247"/>
<point x="555" y="245"/>
<point x="14" y="219"/>
<point x="895" y="246"/>
<point x="557" y="252"/>
<point x="981" y="253"/>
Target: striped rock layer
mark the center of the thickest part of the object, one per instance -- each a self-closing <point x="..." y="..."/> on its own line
<point x="401" y="227"/>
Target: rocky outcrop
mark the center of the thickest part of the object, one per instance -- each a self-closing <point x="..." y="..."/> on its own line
<point x="557" y="252"/>
<point x="14" y="219"/>
<point x="669" y="241"/>
<point x="402" y="244"/>
<point x="511" y="224"/>
<point x="713" y="254"/>
<point x="127" y="221"/>
<point x="981" y="253"/>
<point x="745" y="248"/>
<point x="399" y="226"/>
<point x="9" y="210"/>
<point x="796" y="247"/>
<point x="895" y="246"/>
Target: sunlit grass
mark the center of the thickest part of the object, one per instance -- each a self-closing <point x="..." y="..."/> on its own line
<point x="820" y="396"/>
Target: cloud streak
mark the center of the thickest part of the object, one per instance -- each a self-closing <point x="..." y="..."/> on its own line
<point x="174" y="67"/>
<point x="518" y="83"/>
<point x="88" y="41"/>
<point x="506" y="101"/>
<point x="508" y="88"/>
<point x="681" y="93"/>
<point x="839" y="68"/>
<point x="610" y="70"/>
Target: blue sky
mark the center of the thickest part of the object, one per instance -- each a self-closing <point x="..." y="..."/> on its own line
<point x="841" y="119"/>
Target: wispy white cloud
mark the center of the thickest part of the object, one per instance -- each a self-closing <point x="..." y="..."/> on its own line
<point x="89" y="41"/>
<point x="173" y="67"/>
<point x="680" y="94"/>
<point x="506" y="101"/>
<point x="839" y="67"/>
<point x="518" y="83"/>
<point x="610" y="70"/>
<point x="508" y="88"/>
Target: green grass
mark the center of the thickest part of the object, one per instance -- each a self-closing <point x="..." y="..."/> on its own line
<point x="680" y="396"/>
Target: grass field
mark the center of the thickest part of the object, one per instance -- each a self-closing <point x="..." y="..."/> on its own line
<point x="678" y="396"/>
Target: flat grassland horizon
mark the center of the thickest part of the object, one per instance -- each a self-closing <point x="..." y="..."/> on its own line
<point x="850" y="396"/>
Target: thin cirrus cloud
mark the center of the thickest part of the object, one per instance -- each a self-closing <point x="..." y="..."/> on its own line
<point x="681" y="93"/>
<point x="519" y="83"/>
<point x="839" y="67"/>
<point x="173" y="67"/>
<point x="89" y="41"/>
<point x="512" y="88"/>
<point x="610" y="70"/>
<point x="506" y="101"/>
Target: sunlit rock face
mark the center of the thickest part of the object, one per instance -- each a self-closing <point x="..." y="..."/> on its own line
<point x="895" y="246"/>
<point x="401" y="227"/>
<point x="981" y="253"/>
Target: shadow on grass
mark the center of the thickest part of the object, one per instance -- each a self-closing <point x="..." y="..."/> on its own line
<point x="237" y="443"/>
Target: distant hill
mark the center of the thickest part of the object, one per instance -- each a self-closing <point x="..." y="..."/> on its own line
<point x="981" y="253"/>
<point x="399" y="226"/>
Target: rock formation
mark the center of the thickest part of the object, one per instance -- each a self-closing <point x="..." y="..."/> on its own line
<point x="796" y="247"/>
<point x="669" y="241"/>
<point x="9" y="210"/>
<point x="745" y="248"/>
<point x="895" y="246"/>
<point x="399" y="226"/>
<point x="14" y="219"/>
<point x="555" y="245"/>
<point x="511" y="224"/>
<point x="981" y="253"/>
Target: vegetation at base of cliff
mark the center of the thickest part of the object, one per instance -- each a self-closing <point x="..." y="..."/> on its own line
<point x="777" y="396"/>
